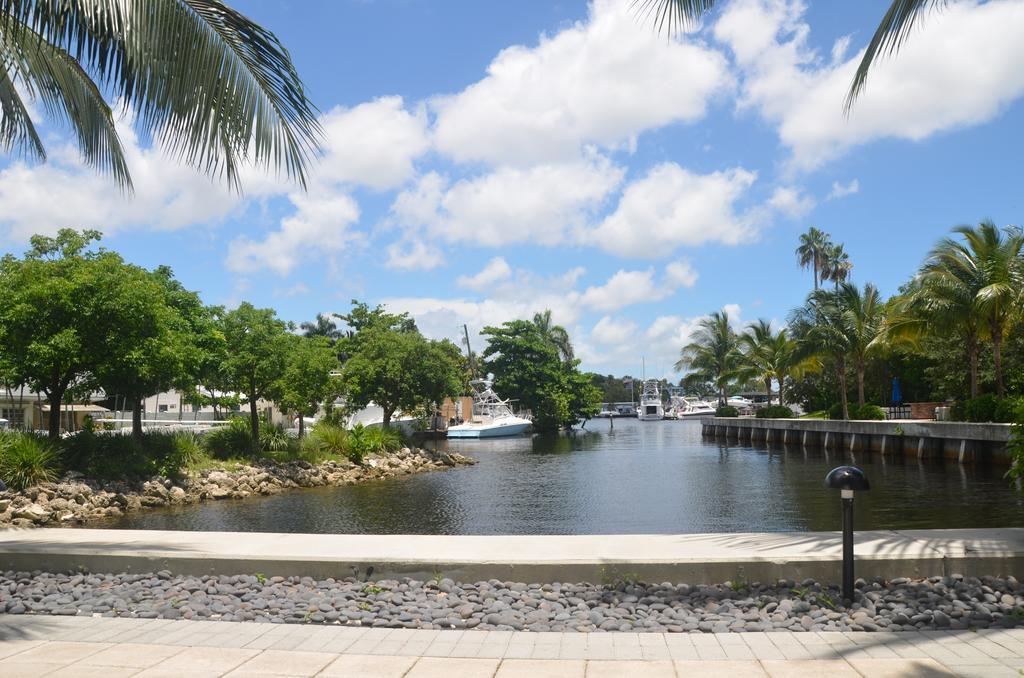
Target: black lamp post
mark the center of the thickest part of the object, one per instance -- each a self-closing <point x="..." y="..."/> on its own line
<point x="847" y="479"/>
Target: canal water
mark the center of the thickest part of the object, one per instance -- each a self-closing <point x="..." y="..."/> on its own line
<point x="641" y="477"/>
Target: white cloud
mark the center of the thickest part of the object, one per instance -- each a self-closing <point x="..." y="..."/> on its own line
<point x="672" y="206"/>
<point x="608" y="331"/>
<point x="497" y="269"/>
<point x="962" y="68"/>
<point x="412" y="254"/>
<point x="627" y="288"/>
<point x="64" y="192"/>
<point x="320" y="226"/>
<point x="842" y="190"/>
<point x="602" y="81"/>
<point x="791" y="201"/>
<point x="544" y="204"/>
<point x="373" y="144"/>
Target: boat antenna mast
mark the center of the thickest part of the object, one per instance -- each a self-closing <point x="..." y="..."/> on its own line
<point x="469" y="352"/>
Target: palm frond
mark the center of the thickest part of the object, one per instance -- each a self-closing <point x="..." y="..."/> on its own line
<point x="68" y="94"/>
<point x="672" y="16"/>
<point x="215" y="88"/>
<point x="17" y="133"/>
<point x="892" y="32"/>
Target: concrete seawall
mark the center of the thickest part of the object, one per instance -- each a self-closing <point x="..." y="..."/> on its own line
<point x="964" y="442"/>
<point x="690" y="558"/>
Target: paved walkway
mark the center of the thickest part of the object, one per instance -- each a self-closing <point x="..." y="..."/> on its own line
<point x="87" y="646"/>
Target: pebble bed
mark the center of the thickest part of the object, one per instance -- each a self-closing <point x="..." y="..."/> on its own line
<point x="951" y="602"/>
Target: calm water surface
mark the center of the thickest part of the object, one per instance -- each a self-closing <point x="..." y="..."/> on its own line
<point x="643" y="477"/>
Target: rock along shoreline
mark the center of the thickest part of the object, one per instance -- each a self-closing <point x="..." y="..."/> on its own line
<point x="75" y="500"/>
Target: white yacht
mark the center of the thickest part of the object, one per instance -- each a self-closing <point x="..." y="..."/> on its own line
<point x="491" y="417"/>
<point x="687" y="408"/>
<point x="651" y="408"/>
<point x="372" y="416"/>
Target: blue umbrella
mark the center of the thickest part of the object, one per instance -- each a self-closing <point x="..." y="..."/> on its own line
<point x="897" y="397"/>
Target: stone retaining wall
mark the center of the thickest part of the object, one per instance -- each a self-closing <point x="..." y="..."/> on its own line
<point x="76" y="500"/>
<point x="961" y="441"/>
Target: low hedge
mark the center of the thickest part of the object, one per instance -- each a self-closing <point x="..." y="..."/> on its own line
<point x="727" y="411"/>
<point x="774" y="412"/>
<point x="988" y="408"/>
<point x="867" y="411"/>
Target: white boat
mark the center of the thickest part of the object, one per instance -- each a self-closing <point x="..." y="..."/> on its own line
<point x="491" y="417"/>
<point x="651" y="407"/>
<point x="739" y="402"/>
<point x="682" y="407"/>
<point x="372" y="416"/>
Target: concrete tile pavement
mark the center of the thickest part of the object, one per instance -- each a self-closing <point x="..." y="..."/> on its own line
<point x="86" y="646"/>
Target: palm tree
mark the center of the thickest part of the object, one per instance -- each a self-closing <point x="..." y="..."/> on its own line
<point x="814" y="244"/>
<point x="554" y="335"/>
<point x="714" y="353"/>
<point x="895" y="27"/>
<point x="210" y="86"/>
<point x="848" y="327"/>
<point x="323" y="326"/>
<point x="836" y="264"/>
<point x="773" y="356"/>
<point x="984" y="272"/>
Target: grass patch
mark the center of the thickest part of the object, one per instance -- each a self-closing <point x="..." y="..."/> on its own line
<point x="820" y="414"/>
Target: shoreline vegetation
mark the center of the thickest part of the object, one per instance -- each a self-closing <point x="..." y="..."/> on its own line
<point x="75" y="499"/>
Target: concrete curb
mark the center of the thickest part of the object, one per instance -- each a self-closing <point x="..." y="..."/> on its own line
<point x="694" y="558"/>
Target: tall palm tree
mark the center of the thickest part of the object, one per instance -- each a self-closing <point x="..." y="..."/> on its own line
<point x="323" y="326"/>
<point x="210" y="86"/>
<point x="774" y="356"/>
<point x="555" y="335"/>
<point x="984" y="270"/>
<point x="836" y="264"/>
<point x="848" y="328"/>
<point x="758" y="344"/>
<point x="715" y="354"/>
<point x="814" y="244"/>
<point x="895" y="27"/>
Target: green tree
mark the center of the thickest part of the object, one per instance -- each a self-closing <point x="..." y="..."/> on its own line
<point x="323" y="326"/>
<point x="773" y="356"/>
<point x="257" y="345"/>
<point x="307" y="381"/>
<point x="155" y="349"/>
<point x="986" y="269"/>
<point x="836" y="264"/>
<point x="232" y="96"/>
<point x="845" y="325"/>
<point x="814" y="245"/>
<point x="556" y="335"/>
<point x="399" y="370"/>
<point x="714" y="354"/>
<point x="67" y="311"/>
<point x="528" y="369"/>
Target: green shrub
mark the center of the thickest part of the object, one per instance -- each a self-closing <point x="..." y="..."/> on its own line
<point x="273" y="438"/>
<point x="836" y="411"/>
<point x="774" y="412"/>
<point x="727" y="411"/>
<point x="870" y="412"/>
<point x="26" y="460"/>
<point x="1016" y="447"/>
<point x="229" y="441"/>
<point x="326" y="440"/>
<point x="982" y="408"/>
<point x="119" y="455"/>
<point x="1009" y="410"/>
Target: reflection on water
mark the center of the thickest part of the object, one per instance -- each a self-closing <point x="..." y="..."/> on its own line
<point x="641" y="477"/>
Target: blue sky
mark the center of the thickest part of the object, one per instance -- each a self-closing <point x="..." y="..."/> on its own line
<point x="488" y="160"/>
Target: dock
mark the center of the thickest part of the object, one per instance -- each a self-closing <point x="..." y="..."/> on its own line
<point x="966" y="443"/>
